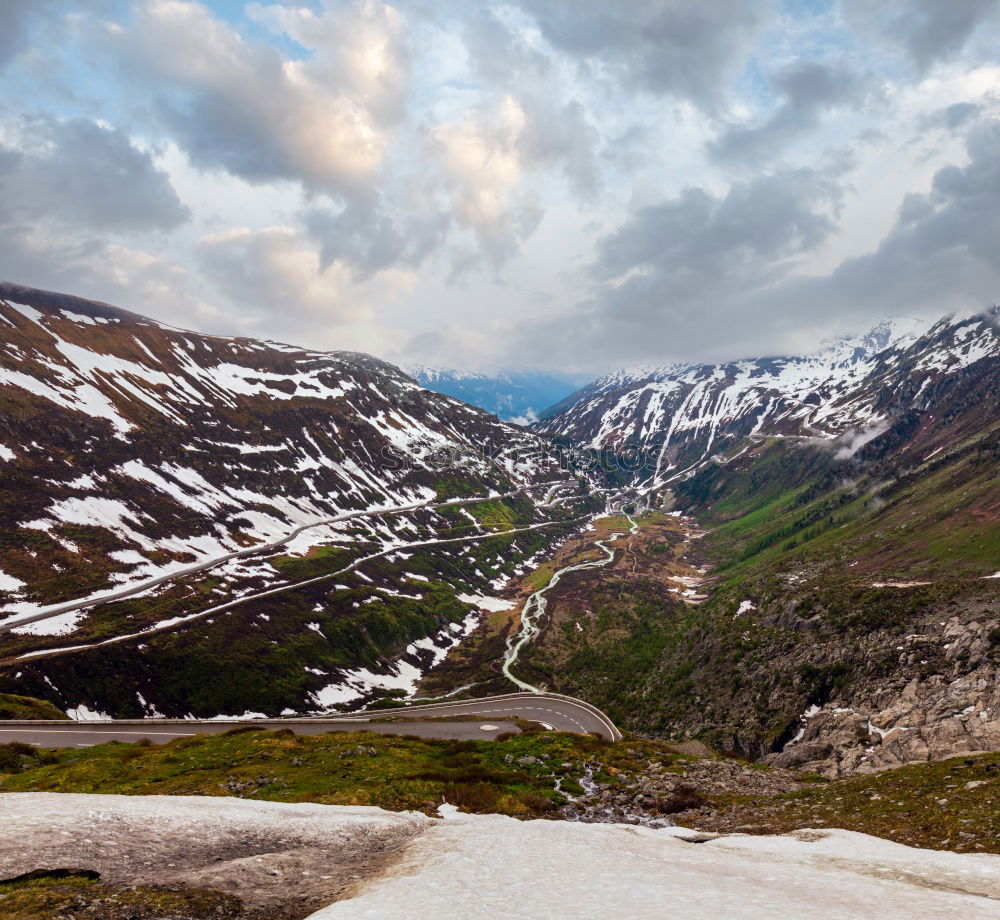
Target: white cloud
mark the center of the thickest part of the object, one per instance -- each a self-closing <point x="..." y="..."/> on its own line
<point x="553" y="181"/>
<point x="482" y="158"/>
<point x="274" y="280"/>
<point x="245" y="107"/>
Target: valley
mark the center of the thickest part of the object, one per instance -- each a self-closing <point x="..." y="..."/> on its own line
<point x="299" y="533"/>
<point x="766" y="590"/>
<point x="657" y="548"/>
<point x="746" y="567"/>
<point x="519" y="460"/>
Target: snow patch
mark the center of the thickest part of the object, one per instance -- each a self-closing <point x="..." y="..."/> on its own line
<point x="481" y="867"/>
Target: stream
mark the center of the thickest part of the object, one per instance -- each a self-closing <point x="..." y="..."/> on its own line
<point x="534" y="607"/>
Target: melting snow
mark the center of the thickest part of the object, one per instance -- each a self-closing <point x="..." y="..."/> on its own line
<point x="484" y="602"/>
<point x="10" y="583"/>
<point x="491" y="866"/>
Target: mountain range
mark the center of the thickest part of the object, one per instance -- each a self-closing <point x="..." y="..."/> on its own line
<point x="679" y="414"/>
<point x="518" y="396"/>
<point x="151" y="473"/>
<point x="846" y="616"/>
<point x="200" y="525"/>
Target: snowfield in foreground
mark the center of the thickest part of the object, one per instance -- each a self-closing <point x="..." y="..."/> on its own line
<point x="488" y="866"/>
<point x="386" y="865"/>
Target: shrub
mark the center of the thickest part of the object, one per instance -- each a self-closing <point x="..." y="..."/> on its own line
<point x="242" y="730"/>
<point x="13" y="755"/>
<point x="477" y="797"/>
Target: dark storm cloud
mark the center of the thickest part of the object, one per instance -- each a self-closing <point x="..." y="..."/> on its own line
<point x="679" y="271"/>
<point x="944" y="250"/>
<point x="926" y="30"/>
<point x="808" y="89"/>
<point x="662" y="46"/>
<point x="79" y="172"/>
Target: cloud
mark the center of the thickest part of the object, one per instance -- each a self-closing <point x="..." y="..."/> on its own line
<point x="952" y="117"/>
<point x="91" y="267"/>
<point x="557" y="129"/>
<point x="851" y="441"/>
<point x="243" y="106"/>
<point x="18" y="17"/>
<point x="699" y="238"/>
<point x="702" y="276"/>
<point x="527" y="182"/>
<point x="678" y="277"/>
<point x="276" y="269"/>
<point x="482" y="159"/>
<point x="86" y="174"/>
<point x="927" y="31"/>
<point x="276" y="286"/>
<point x="71" y="193"/>
<point x="808" y="90"/>
<point x="690" y="50"/>
<point x="942" y="253"/>
<point x="372" y="236"/>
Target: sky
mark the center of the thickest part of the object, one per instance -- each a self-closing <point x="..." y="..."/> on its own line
<point x="573" y="185"/>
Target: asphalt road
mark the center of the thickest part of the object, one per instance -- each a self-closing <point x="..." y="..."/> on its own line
<point x="561" y="713"/>
<point x="86" y="734"/>
<point x="178" y="622"/>
<point x="487" y="718"/>
<point x="257" y="549"/>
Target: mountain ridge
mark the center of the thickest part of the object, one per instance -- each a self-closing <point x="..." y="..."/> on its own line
<point x="676" y="413"/>
<point x="176" y="465"/>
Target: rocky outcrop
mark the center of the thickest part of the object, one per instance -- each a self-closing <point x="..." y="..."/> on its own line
<point x="955" y="711"/>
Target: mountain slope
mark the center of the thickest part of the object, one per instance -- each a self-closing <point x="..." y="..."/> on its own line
<point x="676" y="416"/>
<point x="846" y="617"/>
<point x="120" y="435"/>
<point x="132" y="451"/>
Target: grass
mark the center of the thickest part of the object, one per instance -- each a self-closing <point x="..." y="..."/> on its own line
<point x="941" y="521"/>
<point x="926" y="805"/>
<point x="13" y="706"/>
<point x="51" y="898"/>
<point x="352" y="768"/>
<point x="947" y="804"/>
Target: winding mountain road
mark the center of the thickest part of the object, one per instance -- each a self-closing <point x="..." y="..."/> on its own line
<point x="176" y="622"/>
<point x="116" y="595"/>
<point x="488" y="717"/>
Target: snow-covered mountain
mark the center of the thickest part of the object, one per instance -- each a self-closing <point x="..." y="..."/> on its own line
<point x="679" y="415"/>
<point x="130" y="449"/>
<point x="514" y="395"/>
<point x="195" y="524"/>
